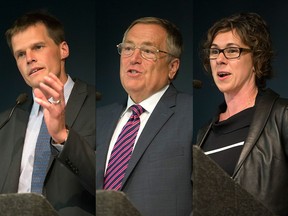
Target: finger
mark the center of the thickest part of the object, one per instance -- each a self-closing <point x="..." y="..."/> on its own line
<point x="54" y="79"/>
<point x="40" y="98"/>
<point x="39" y="94"/>
<point x="53" y="101"/>
<point x="49" y="91"/>
<point x="54" y="83"/>
<point x="44" y="103"/>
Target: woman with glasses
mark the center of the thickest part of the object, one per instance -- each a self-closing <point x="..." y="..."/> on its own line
<point x="248" y="138"/>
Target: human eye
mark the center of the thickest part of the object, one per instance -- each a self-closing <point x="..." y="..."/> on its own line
<point x="20" y="55"/>
<point x="214" y="51"/>
<point x="127" y="47"/>
<point x="232" y="50"/>
<point x="38" y="47"/>
<point x="148" y="50"/>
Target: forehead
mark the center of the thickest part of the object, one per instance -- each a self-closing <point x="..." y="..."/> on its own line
<point x="31" y="35"/>
<point x="147" y="33"/>
<point x="32" y="31"/>
<point x="36" y="27"/>
<point x="228" y="37"/>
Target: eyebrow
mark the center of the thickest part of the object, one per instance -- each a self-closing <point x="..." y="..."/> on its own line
<point x="143" y="43"/>
<point x="227" y="45"/>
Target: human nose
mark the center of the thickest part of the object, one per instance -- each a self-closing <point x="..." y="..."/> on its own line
<point x="137" y="55"/>
<point x="30" y="57"/>
<point x="221" y="57"/>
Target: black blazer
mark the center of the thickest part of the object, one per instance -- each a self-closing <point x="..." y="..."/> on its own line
<point x="70" y="182"/>
<point x="157" y="180"/>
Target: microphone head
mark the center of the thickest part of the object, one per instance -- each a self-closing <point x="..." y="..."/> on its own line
<point x="21" y="98"/>
<point x="98" y="96"/>
<point x="197" y="84"/>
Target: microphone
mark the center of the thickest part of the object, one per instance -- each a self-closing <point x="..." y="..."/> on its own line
<point x="20" y="100"/>
<point x="98" y="96"/>
<point x="197" y="84"/>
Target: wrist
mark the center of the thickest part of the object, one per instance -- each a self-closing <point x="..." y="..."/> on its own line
<point x="63" y="140"/>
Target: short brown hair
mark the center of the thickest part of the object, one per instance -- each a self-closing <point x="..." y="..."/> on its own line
<point x="54" y="26"/>
<point x="254" y="32"/>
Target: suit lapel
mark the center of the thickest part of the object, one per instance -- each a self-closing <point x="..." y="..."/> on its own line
<point x="75" y="102"/>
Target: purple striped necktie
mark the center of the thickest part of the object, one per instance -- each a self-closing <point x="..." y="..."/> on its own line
<point x="122" y="150"/>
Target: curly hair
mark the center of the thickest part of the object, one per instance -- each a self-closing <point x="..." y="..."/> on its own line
<point x="254" y="32"/>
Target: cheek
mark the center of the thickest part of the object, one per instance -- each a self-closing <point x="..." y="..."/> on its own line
<point x="21" y="66"/>
<point x="212" y="63"/>
<point x="213" y="67"/>
<point x="124" y="64"/>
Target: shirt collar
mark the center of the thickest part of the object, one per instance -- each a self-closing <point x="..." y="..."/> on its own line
<point x="149" y="103"/>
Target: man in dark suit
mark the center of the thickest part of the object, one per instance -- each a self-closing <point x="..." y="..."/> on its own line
<point x="157" y="178"/>
<point x="67" y="106"/>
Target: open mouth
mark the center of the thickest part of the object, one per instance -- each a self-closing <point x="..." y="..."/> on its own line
<point x="223" y="74"/>
<point x="133" y="71"/>
<point x="34" y="71"/>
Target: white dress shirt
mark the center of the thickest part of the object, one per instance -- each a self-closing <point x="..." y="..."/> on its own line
<point x="32" y="131"/>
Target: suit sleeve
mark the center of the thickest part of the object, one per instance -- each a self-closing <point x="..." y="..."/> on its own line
<point x="79" y="157"/>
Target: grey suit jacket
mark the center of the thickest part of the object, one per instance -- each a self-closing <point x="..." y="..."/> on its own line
<point x="70" y="182"/>
<point x="157" y="180"/>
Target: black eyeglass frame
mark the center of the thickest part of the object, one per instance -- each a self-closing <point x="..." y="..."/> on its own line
<point x="241" y="49"/>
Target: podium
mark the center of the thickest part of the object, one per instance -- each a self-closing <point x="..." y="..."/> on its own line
<point x="215" y="193"/>
<point x="114" y="203"/>
<point x="25" y="204"/>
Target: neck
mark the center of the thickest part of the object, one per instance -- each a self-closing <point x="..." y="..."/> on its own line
<point x="238" y="103"/>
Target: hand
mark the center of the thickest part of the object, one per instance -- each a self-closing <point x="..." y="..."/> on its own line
<point x="52" y="89"/>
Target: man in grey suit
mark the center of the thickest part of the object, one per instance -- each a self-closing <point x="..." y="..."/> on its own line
<point x="37" y="42"/>
<point x="157" y="180"/>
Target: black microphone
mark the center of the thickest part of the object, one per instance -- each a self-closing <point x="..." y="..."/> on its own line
<point x="20" y="99"/>
<point x="197" y="84"/>
<point x="98" y="96"/>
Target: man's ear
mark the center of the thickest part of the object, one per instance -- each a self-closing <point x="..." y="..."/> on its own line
<point x="64" y="50"/>
<point x="173" y="68"/>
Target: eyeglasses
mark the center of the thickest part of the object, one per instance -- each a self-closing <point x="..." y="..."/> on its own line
<point x="146" y="51"/>
<point x="229" y="52"/>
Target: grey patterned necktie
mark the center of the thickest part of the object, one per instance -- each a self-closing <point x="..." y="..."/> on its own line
<point x="41" y="159"/>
